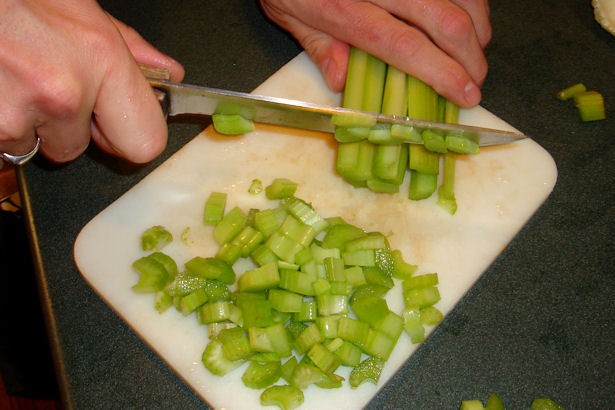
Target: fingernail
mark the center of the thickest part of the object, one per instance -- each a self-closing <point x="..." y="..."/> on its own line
<point x="472" y="93"/>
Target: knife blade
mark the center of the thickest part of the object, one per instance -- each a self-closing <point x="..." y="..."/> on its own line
<point x="185" y="99"/>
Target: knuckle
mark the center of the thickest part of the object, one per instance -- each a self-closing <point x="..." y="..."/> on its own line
<point x="61" y="96"/>
<point x="455" y="24"/>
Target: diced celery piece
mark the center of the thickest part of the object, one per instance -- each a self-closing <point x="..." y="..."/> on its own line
<point x="229" y="253"/>
<point x="590" y="105"/>
<point x="430" y="316"/>
<point x="321" y="286"/>
<point x="376" y="276"/>
<point x="545" y="404"/>
<point x="232" y="124"/>
<point x="285" y="301"/>
<point x="296" y="281"/>
<point x="306" y="214"/>
<point x="462" y="144"/>
<point x="350" y="354"/>
<point x="422" y="185"/>
<point x="350" y="134"/>
<point x="369" y="309"/>
<point x="288" y="368"/>
<point x="369" y="370"/>
<point x="334" y="267"/>
<point x="379" y="344"/>
<point x="307" y="338"/>
<point x="340" y="288"/>
<point x="320" y="253"/>
<point x="363" y="257"/>
<point x="256" y="187"/>
<point x="262" y="255"/>
<point x="307" y="313"/>
<point x="569" y="92"/>
<point x="423" y="161"/>
<point x="401" y="269"/>
<point x="162" y="301"/>
<point x="259" y="342"/>
<point x="280" y="339"/>
<point x="286" y="397"/>
<point x="352" y="330"/>
<point x="391" y="324"/>
<point x="215" y="360"/>
<point x="256" y="310"/>
<point x="297" y="231"/>
<point x="235" y="343"/>
<point x="155" y="238"/>
<point x="494" y="402"/>
<point x="354" y="276"/>
<point x="420" y="281"/>
<point x="261" y="375"/>
<point x="405" y="133"/>
<point x="261" y="278"/>
<point x="330" y="304"/>
<point x="214" y="329"/>
<point x="295" y="328"/>
<point x="324" y="359"/>
<point x="433" y="141"/>
<point x="192" y="301"/>
<point x="248" y="239"/>
<point x="153" y="275"/>
<point x="421" y="297"/>
<point x="413" y="326"/>
<point x="214" y="208"/>
<point x="231" y="224"/>
<point x="269" y="220"/>
<point x="328" y="325"/>
<point x="283" y="247"/>
<point x="304" y="256"/>
<point x="372" y="241"/>
<point x="214" y="312"/>
<point x="305" y="374"/>
<point x="280" y="188"/>
<point x="471" y="405"/>
<point x="211" y="268"/>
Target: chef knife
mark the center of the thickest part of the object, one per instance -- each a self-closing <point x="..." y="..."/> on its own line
<point x="185" y="99"/>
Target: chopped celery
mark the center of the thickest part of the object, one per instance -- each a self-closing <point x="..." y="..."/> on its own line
<point x="283" y="247"/>
<point x="261" y="375"/>
<point x="349" y="353"/>
<point x="330" y="304"/>
<point x="153" y="275"/>
<point x="372" y="241"/>
<point x="362" y="257"/>
<point x="339" y="234"/>
<point x="235" y="343"/>
<point x="430" y="316"/>
<point x="433" y="141"/>
<point x="369" y="309"/>
<point x="570" y="92"/>
<point x="269" y="220"/>
<point x="286" y="397"/>
<point x="369" y="370"/>
<point x="155" y="238"/>
<point x="306" y="214"/>
<point x="471" y="405"/>
<point x="231" y="224"/>
<point x="280" y="339"/>
<point x="214" y="312"/>
<point x="285" y="301"/>
<point x="328" y="325"/>
<point x="421" y="160"/>
<point x="261" y="278"/>
<point x="494" y="402"/>
<point x="162" y="301"/>
<point x="401" y="269"/>
<point x="214" y="208"/>
<point x="422" y="185"/>
<point x="378" y="344"/>
<point x="280" y="188"/>
<point x="216" y="361"/>
<point x="296" y="281"/>
<point x="305" y="374"/>
<point x="590" y="105"/>
<point x="421" y="297"/>
<point x="211" y="268"/>
<point x="352" y="330"/>
<point x="420" y="281"/>
<point x="192" y="301"/>
<point x="297" y="231"/>
<point x="545" y="404"/>
<point x="232" y="124"/>
<point x="256" y="311"/>
<point x="307" y="338"/>
<point x="287" y="369"/>
<point x="256" y="187"/>
<point x="413" y="326"/>
<point x="334" y="267"/>
<point x="324" y="359"/>
<point x="307" y="313"/>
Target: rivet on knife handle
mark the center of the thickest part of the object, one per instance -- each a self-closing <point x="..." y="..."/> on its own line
<point x="158" y="73"/>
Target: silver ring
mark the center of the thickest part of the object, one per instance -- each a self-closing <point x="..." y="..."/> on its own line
<point x="21" y="159"/>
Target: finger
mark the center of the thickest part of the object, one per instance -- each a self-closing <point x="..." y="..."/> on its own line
<point x="128" y="120"/>
<point x="65" y="138"/>
<point x="16" y="129"/>
<point x="329" y="54"/>
<point x="145" y="53"/>
<point x="449" y="26"/>
<point x="479" y="12"/>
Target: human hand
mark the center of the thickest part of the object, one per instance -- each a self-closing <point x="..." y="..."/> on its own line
<point x="68" y="73"/>
<point x="439" y="41"/>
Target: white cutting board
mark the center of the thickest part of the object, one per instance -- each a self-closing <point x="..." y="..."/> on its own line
<point x="497" y="192"/>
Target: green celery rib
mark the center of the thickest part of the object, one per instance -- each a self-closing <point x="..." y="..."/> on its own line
<point x="373" y="88"/>
<point x="394" y="99"/>
<point x="353" y="90"/>
<point x="446" y="192"/>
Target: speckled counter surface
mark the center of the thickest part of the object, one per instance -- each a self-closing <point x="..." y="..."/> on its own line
<point x="540" y="321"/>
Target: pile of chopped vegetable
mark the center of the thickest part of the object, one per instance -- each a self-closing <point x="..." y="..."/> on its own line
<point x="494" y="402"/>
<point x="590" y="104"/>
<point x="314" y="301"/>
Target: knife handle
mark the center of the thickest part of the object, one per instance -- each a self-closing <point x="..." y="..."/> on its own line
<point x="158" y="73"/>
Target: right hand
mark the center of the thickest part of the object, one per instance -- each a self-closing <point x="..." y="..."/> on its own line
<point x="68" y="73"/>
<point x="438" y="41"/>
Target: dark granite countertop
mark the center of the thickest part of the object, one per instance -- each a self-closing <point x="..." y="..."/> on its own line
<point x="539" y="322"/>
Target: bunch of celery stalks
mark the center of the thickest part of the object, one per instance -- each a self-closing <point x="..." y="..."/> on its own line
<point x="316" y="299"/>
<point x="377" y="156"/>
